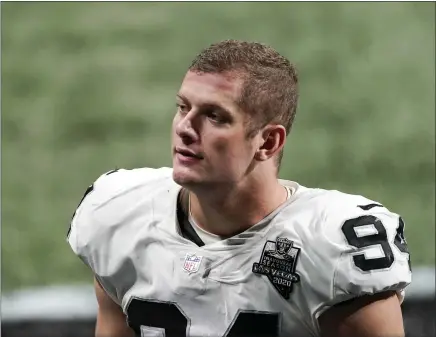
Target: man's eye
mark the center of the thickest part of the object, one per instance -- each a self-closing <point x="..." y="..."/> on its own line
<point x="182" y="108"/>
<point x="215" y="116"/>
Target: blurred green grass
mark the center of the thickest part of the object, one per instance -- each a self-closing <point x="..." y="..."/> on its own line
<point x="90" y="86"/>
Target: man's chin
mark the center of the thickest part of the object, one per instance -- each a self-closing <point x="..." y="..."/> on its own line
<point x="185" y="177"/>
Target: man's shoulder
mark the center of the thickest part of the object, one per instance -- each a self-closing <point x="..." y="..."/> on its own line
<point x="324" y="204"/>
<point x="114" y="194"/>
<point x="121" y="179"/>
<point x="328" y="218"/>
<point x="125" y="183"/>
<point x="351" y="245"/>
<point x="119" y="202"/>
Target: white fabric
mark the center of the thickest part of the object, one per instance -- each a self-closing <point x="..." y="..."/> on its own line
<point x="126" y="232"/>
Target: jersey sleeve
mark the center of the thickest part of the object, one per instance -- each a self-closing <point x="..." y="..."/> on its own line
<point x="85" y="227"/>
<point x="371" y="250"/>
<point x="84" y="219"/>
<point x="103" y="223"/>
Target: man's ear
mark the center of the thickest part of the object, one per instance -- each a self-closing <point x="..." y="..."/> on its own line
<point x="273" y="138"/>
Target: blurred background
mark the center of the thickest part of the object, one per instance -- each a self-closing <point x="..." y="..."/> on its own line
<point x="87" y="87"/>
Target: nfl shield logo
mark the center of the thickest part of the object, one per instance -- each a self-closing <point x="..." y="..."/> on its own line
<point x="192" y="263"/>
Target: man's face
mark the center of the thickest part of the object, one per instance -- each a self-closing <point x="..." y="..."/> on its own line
<point x="209" y="139"/>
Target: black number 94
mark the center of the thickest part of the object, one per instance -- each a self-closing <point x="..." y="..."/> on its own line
<point x="379" y="238"/>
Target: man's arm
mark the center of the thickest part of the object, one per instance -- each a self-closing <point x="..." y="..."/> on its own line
<point x="111" y="321"/>
<point x="376" y="315"/>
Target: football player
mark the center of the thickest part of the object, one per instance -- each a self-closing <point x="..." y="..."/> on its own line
<point x="217" y="245"/>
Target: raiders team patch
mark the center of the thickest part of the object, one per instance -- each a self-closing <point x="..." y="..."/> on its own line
<point x="278" y="262"/>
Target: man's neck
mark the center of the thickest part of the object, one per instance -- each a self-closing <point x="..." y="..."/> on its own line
<point x="230" y="212"/>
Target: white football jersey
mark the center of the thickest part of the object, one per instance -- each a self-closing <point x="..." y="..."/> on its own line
<point x="274" y="280"/>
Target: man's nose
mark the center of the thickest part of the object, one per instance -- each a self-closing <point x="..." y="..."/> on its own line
<point x="185" y="128"/>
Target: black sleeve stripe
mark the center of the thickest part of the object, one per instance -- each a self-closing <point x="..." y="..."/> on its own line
<point x="88" y="190"/>
<point x="112" y="171"/>
<point x="369" y="206"/>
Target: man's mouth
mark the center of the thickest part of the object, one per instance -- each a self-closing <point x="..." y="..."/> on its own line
<point x="188" y="153"/>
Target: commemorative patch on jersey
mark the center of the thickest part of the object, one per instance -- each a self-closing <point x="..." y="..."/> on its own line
<point x="278" y="262"/>
<point x="192" y="263"/>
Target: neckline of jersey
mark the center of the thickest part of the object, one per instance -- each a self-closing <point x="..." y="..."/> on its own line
<point x="242" y="241"/>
